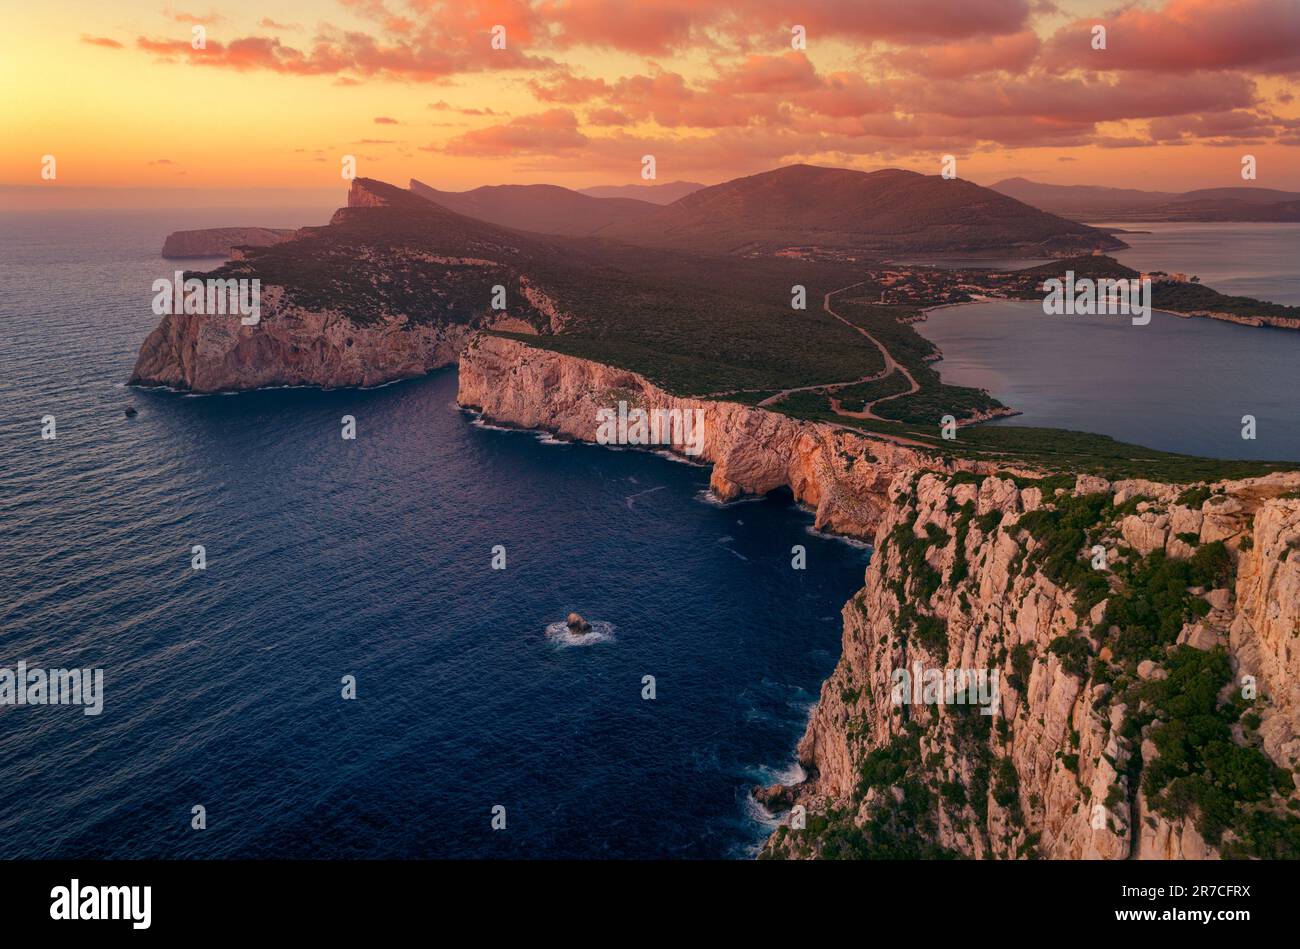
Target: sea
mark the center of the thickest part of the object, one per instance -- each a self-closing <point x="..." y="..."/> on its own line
<point x="365" y="567"/>
<point x="1176" y="384"/>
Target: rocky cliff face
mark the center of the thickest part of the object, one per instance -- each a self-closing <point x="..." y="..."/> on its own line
<point x="841" y="475"/>
<point x="292" y="345"/>
<point x="390" y="289"/>
<point x="976" y="570"/>
<point x="221" y="241"/>
<point x="1056" y="774"/>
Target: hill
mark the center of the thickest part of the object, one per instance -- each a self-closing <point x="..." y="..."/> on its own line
<point x="1091" y="202"/>
<point x="545" y="209"/>
<point x="665" y="193"/>
<point x="809" y="210"/>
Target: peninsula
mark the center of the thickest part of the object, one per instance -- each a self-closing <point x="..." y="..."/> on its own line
<point x="1122" y="727"/>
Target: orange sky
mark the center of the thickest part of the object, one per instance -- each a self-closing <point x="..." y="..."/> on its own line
<point x="413" y="88"/>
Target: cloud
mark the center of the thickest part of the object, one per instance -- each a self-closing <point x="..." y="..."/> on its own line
<point x="563" y="86"/>
<point x="447" y="107"/>
<point x="1231" y="125"/>
<point x="104" y="41"/>
<point x="422" y="56"/>
<point x="768" y="75"/>
<point x="895" y="77"/>
<point x="194" y="18"/>
<point x="555" y="130"/>
<point x="1014" y="52"/>
<point x="608" y="116"/>
<point x="1262" y="35"/>
<point x="673" y="25"/>
<point x="1089" y="99"/>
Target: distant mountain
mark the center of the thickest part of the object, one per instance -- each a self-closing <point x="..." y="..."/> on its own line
<point x="544" y="209"/>
<point x="221" y="241"/>
<point x="656" y="194"/>
<point x="1090" y="202"/>
<point x="1245" y="195"/>
<point x="808" y="209"/>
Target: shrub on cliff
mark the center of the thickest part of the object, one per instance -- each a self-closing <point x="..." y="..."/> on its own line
<point x="1153" y="606"/>
<point x="1200" y="770"/>
<point x="1062" y="533"/>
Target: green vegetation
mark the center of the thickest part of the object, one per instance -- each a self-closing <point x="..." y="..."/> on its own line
<point x="1200" y="771"/>
<point x="854" y="398"/>
<point x="935" y="399"/>
<point x="1196" y="297"/>
<point x="1154" y="603"/>
<point x="1063" y="533"/>
<point x="1194" y="497"/>
<point x="1074" y="653"/>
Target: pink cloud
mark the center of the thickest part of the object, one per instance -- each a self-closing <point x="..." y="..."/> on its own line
<point x="544" y="132"/>
<point x="1183" y="35"/>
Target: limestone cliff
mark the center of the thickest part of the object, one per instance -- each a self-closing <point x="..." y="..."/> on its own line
<point x="843" y="476"/>
<point x="1099" y="748"/>
<point x="221" y="241"/>
<point x="391" y="288"/>
<point x="291" y="345"/>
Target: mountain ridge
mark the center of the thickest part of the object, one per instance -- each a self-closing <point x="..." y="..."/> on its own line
<point x="1097" y="202"/>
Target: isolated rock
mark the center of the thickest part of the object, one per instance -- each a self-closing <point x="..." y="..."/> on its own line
<point x="577" y="624"/>
<point x="777" y="797"/>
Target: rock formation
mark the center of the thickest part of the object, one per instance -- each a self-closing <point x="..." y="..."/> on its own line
<point x="324" y="321"/>
<point x="221" y="241"/>
<point x="577" y="625"/>
<point x="961" y="578"/>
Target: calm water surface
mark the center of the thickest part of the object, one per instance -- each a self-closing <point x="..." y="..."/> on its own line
<point x="370" y="558"/>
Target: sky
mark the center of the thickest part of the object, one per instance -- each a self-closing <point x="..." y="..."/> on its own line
<point x="281" y="90"/>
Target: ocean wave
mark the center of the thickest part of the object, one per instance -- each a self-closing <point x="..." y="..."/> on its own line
<point x="706" y="496"/>
<point x="826" y="535"/>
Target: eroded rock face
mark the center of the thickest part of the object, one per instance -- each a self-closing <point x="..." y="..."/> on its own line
<point x="290" y="346"/>
<point x="842" y="475"/>
<point x="1061" y="735"/>
<point x="391" y="288"/>
<point x="1265" y="628"/>
<point x="221" y="241"/>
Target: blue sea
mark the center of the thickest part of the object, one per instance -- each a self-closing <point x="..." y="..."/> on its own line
<point x="370" y="558"/>
<point x="1181" y="385"/>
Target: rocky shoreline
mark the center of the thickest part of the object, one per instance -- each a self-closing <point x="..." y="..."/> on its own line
<point x="1061" y="736"/>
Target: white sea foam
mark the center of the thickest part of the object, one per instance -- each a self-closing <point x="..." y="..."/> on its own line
<point x="706" y="496"/>
<point x="851" y="541"/>
<point x="560" y="634"/>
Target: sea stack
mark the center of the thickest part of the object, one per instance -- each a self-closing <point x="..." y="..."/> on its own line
<point x="577" y="624"/>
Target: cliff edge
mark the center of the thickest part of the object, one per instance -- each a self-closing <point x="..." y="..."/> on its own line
<point x="1144" y="638"/>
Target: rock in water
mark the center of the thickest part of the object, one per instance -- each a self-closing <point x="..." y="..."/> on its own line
<point x="131" y="411"/>
<point x="577" y="624"/>
<point x="778" y="797"/>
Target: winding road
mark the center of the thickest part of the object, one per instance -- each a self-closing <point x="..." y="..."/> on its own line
<point x="892" y="365"/>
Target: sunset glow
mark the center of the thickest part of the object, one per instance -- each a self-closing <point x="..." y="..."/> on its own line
<point x="584" y="88"/>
